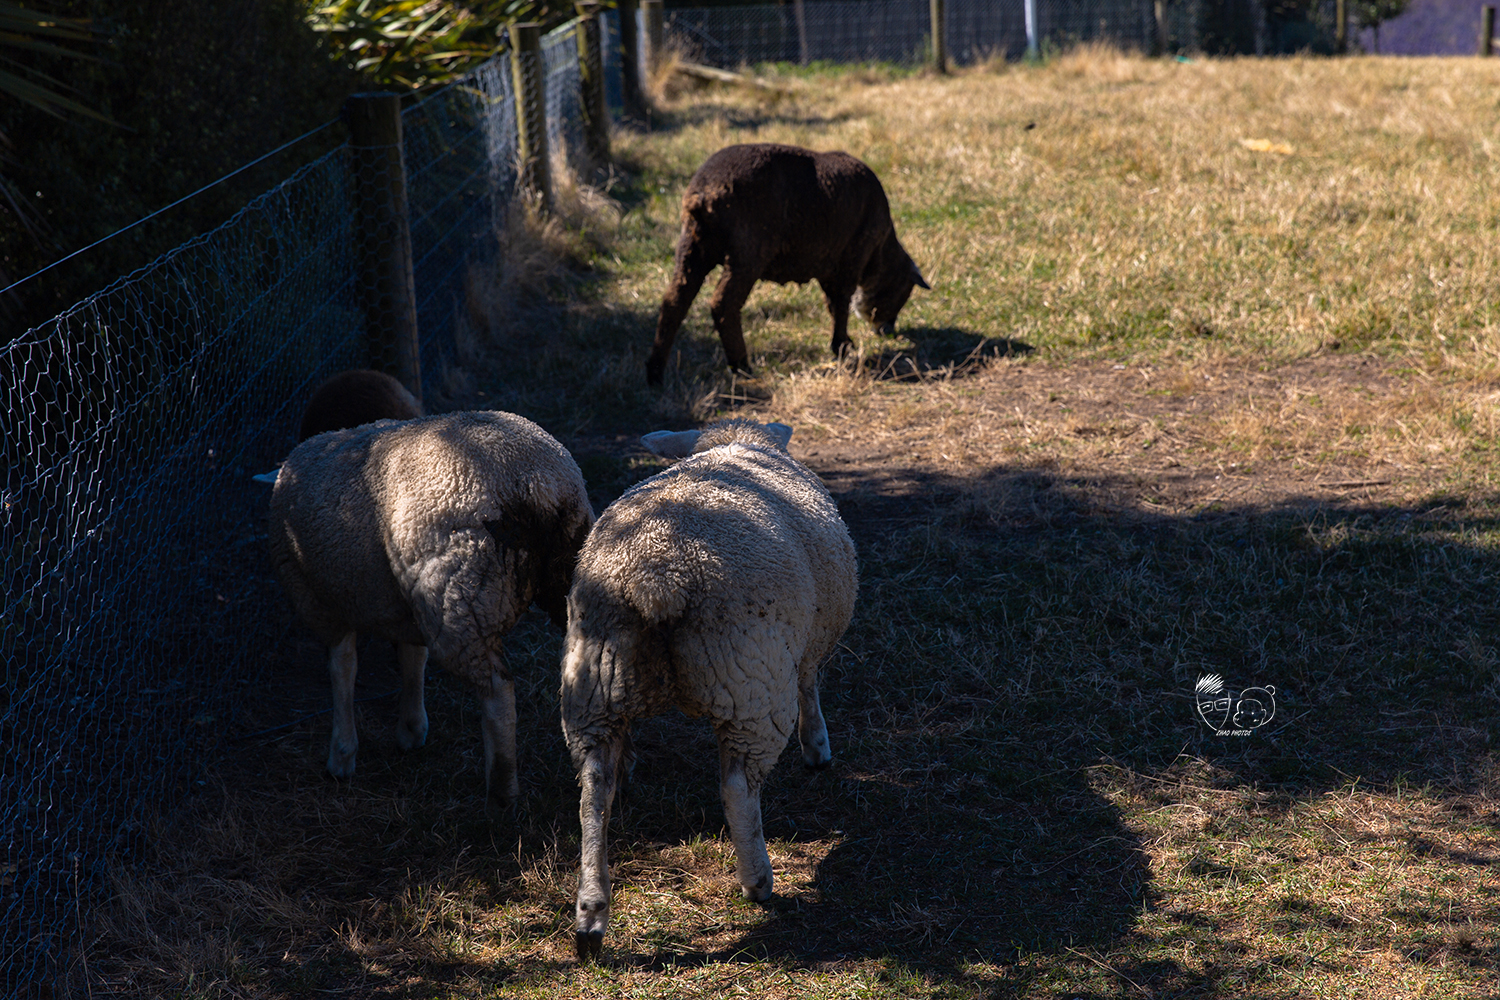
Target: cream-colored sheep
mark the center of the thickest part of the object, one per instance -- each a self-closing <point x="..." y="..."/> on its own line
<point x="437" y="534"/>
<point x="718" y="587"/>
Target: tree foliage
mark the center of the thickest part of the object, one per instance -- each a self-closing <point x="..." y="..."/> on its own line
<point x="420" y="43"/>
<point x="195" y="89"/>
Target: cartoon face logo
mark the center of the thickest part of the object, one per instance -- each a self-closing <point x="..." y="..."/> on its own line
<point x="1213" y="701"/>
<point x="1227" y="713"/>
<point x="1256" y="707"/>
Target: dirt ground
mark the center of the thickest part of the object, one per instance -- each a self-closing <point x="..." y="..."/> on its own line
<point x="1123" y="440"/>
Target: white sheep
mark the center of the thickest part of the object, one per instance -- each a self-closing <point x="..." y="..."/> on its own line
<point x="437" y="534"/>
<point x="717" y="586"/>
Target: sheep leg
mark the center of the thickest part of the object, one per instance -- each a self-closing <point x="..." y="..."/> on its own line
<point x="497" y="701"/>
<point x="812" y="731"/>
<point x="729" y="298"/>
<point x="694" y="261"/>
<point x="838" y="294"/>
<point x="740" y="781"/>
<point x="343" y="666"/>
<point x="599" y="775"/>
<point x="411" y="718"/>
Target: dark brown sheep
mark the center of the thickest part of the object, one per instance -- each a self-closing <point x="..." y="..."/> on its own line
<point x="352" y="398"/>
<point x="782" y="213"/>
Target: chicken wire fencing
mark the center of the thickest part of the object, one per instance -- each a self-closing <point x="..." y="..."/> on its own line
<point x="137" y="607"/>
<point x="899" y="31"/>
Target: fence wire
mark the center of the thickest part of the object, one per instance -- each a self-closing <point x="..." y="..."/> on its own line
<point x="564" y="83"/>
<point x="899" y="31"/>
<point x="137" y="607"/>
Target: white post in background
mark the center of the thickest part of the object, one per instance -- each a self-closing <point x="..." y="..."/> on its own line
<point x="1032" y="49"/>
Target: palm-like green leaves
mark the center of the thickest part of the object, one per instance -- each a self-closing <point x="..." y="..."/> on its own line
<point x="26" y="30"/>
<point x="416" y="43"/>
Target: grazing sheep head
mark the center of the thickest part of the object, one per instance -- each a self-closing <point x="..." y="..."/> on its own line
<point x="886" y="285"/>
<point x="546" y="543"/>
<point x="680" y="444"/>
<point x="557" y="571"/>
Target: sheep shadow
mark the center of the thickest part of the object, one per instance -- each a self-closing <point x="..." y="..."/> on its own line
<point x="746" y="121"/>
<point x="1021" y="636"/>
<point x="940" y="353"/>
<point x="1025" y="657"/>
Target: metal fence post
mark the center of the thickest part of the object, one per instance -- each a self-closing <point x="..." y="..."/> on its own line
<point x="382" y="234"/>
<point x="939" y="37"/>
<point x="651" y="13"/>
<point x="591" y="80"/>
<point x="1486" y="29"/>
<point x="1033" y="48"/>
<point x="630" y="63"/>
<point x="531" y="110"/>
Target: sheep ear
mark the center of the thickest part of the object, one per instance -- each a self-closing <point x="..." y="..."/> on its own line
<point x="269" y="478"/>
<point x="781" y="432"/>
<point x="670" y="444"/>
<point x="917" y="279"/>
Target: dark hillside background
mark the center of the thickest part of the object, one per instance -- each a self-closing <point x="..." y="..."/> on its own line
<point x="196" y="88"/>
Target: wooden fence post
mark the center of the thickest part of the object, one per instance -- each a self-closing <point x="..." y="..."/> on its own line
<point x="801" y="15"/>
<point x="630" y="63"/>
<point x="1341" y="26"/>
<point x="591" y="79"/>
<point x="1487" y="29"/>
<point x="382" y="236"/>
<point x="527" y="73"/>
<point x="939" y="37"/>
<point x="651" y="13"/>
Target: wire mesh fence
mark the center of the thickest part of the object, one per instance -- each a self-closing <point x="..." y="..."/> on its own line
<point x="899" y="31"/>
<point x="137" y="609"/>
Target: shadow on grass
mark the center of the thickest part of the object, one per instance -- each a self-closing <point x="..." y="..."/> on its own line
<point x="1025" y="655"/>
<point x="778" y="109"/>
<point x="941" y="352"/>
<point x="1009" y="712"/>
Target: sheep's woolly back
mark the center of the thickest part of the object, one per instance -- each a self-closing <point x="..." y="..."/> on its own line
<point x="404" y="529"/>
<point x="733" y="561"/>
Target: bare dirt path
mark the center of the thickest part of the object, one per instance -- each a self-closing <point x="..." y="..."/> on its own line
<point x="1157" y="440"/>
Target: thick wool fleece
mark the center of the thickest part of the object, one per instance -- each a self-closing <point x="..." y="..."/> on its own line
<point x="713" y="587"/>
<point x="439" y="531"/>
<point x="717" y="587"/>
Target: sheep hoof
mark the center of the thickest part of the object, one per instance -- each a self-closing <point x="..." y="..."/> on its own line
<point x="341" y="766"/>
<point x="760" y="892"/>
<point x="590" y="945"/>
<point x="501" y="813"/>
<point x="411" y="737"/>
<point x="820" y="764"/>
